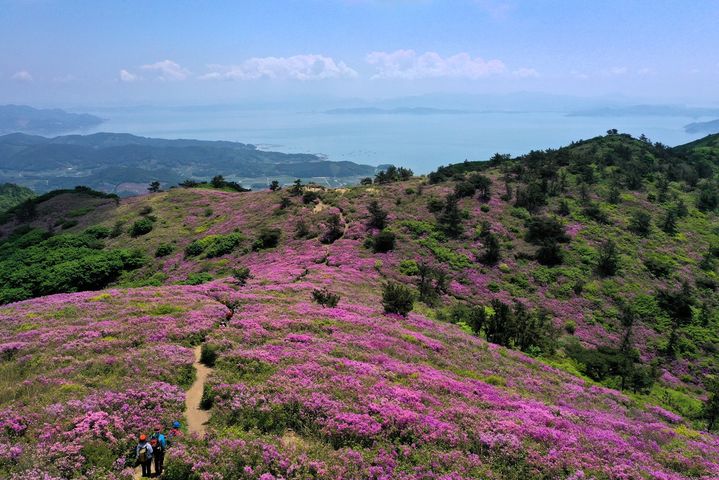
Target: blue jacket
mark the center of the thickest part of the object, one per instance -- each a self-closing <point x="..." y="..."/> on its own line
<point x="143" y="445"/>
<point x="160" y="439"/>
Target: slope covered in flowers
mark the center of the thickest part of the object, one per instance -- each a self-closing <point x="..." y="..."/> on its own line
<point x="301" y="391"/>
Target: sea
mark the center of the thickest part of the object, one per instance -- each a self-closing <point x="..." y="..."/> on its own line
<point x="421" y="142"/>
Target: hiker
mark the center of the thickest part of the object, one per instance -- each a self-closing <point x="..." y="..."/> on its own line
<point x="174" y="432"/>
<point x="143" y="455"/>
<point x="159" y="444"/>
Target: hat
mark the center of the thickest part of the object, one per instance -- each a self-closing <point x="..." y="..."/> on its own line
<point x="143" y="437"/>
<point x="175" y="424"/>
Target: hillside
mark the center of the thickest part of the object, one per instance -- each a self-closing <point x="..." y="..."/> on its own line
<point x="21" y="118"/>
<point x="711" y="126"/>
<point x="123" y="163"/>
<point x="11" y="195"/>
<point x="564" y="323"/>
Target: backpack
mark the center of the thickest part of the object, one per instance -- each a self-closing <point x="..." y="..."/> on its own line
<point x="142" y="454"/>
<point x="155" y="442"/>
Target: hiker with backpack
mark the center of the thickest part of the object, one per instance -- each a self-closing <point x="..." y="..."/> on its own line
<point x="143" y="455"/>
<point x="159" y="444"/>
<point x="174" y="432"/>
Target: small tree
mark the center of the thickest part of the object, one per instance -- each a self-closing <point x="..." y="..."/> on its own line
<point x="550" y="254"/>
<point x="325" y="298"/>
<point x="241" y="275"/>
<point x="563" y="208"/>
<point x="450" y="220"/>
<point x="377" y="216"/>
<point x="608" y="262"/>
<point x="640" y="223"/>
<point x="296" y="188"/>
<point x="492" y="252"/>
<point x="268" y="238"/>
<point x="483" y="185"/>
<point x="141" y="227"/>
<point x="275" y="185"/>
<point x="669" y="225"/>
<point x="334" y="230"/>
<point x="383" y="242"/>
<point x="302" y="230"/>
<point x="218" y="181"/>
<point x="285" y="202"/>
<point x="154" y="187"/>
<point x="366" y="181"/>
<point x="397" y="298"/>
<point x="710" y="410"/>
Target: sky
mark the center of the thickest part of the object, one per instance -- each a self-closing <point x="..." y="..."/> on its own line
<point x="179" y="52"/>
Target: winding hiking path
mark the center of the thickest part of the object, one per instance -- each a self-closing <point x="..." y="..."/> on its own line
<point x="196" y="417"/>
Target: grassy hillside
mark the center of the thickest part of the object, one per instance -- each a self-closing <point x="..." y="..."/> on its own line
<point x="11" y="195"/>
<point x="564" y="323"/>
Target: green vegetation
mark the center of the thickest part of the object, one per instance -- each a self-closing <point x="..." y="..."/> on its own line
<point x="397" y="298"/>
<point x="36" y="263"/>
<point x="12" y="195"/>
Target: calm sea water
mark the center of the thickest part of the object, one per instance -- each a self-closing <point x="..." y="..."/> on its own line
<point x="420" y="142"/>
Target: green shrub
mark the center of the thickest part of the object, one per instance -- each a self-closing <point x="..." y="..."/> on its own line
<point x="659" y="264"/>
<point x="325" y="298"/>
<point x="98" y="455"/>
<point x="397" y="298"/>
<point x="408" y="267"/>
<point x="116" y="230"/>
<point x="142" y="226"/>
<point x="68" y="224"/>
<point x="383" y="242"/>
<point x="198" y="278"/>
<point x="194" y="249"/>
<point x="79" y="212"/>
<point x="208" y="354"/>
<point x="98" y="231"/>
<point x="268" y="238"/>
<point x="241" y="275"/>
<point x="164" y="249"/>
<point x="640" y="223"/>
<point x="218" y="245"/>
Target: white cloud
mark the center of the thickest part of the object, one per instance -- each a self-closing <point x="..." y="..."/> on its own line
<point x="616" y="71"/>
<point x="22" y="76"/>
<point x="498" y="9"/>
<point x="64" y="78"/>
<point x="128" y="77"/>
<point x="525" y="73"/>
<point x="408" y="64"/>
<point x="168" y="70"/>
<point x="579" y="75"/>
<point x="297" y="67"/>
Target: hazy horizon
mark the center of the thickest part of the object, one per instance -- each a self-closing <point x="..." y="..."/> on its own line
<point x="79" y="54"/>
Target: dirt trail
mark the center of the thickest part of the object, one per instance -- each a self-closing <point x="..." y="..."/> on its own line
<point x="196" y="417"/>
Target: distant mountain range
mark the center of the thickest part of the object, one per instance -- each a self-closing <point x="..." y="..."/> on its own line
<point x="124" y="163"/>
<point x="21" y="118"/>
<point x="395" y="111"/>
<point x="648" y="110"/>
<point x="703" y="127"/>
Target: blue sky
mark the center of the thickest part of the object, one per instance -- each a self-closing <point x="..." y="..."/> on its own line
<point x="65" y="53"/>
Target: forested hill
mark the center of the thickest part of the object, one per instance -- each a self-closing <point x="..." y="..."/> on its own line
<point x="553" y="316"/>
<point x="117" y="162"/>
<point x="11" y="195"/>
